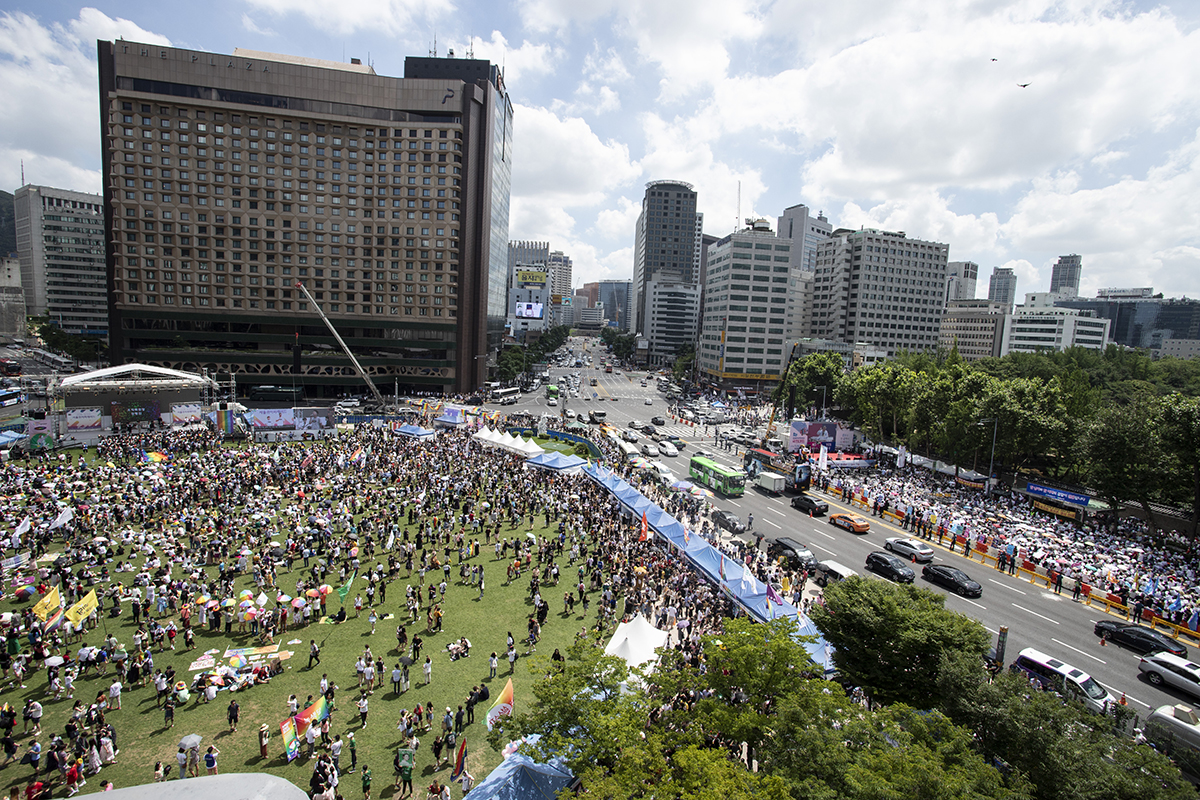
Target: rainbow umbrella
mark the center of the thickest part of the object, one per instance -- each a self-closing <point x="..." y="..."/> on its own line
<point x="326" y="588"/>
<point x="283" y="598"/>
<point x="313" y="593"/>
<point x="213" y="604"/>
<point x="237" y="662"/>
<point x="203" y="599"/>
<point x="228" y="602"/>
<point x="299" y="603"/>
<point x="244" y="593"/>
<point x="246" y="604"/>
<point x="354" y="552"/>
<point x="249" y="615"/>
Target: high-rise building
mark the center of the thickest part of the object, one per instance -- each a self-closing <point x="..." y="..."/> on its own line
<point x="560" y="273"/>
<point x="1138" y="318"/>
<point x="961" y="280"/>
<point x="880" y="288"/>
<point x="1002" y="288"/>
<point x="974" y="327"/>
<point x="743" y="330"/>
<point x="60" y="244"/>
<point x="666" y="263"/>
<point x="616" y="297"/>
<point x="1064" y="278"/>
<point x="806" y="232"/>
<point x="527" y="255"/>
<point x="229" y="179"/>
<point x="12" y="297"/>
<point x="1042" y="325"/>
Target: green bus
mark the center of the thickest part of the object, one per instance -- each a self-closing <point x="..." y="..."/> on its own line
<point x="551" y="392"/>
<point x="729" y="482"/>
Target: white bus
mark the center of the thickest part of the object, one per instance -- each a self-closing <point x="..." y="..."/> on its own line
<point x="506" y="397"/>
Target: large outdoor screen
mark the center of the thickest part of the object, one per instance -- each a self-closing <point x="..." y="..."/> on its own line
<point x="529" y="310"/>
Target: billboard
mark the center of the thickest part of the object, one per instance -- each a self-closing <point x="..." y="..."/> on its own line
<point x="135" y="411"/>
<point x="1061" y="495"/>
<point x="84" y="419"/>
<point x="812" y="435"/>
<point x="530" y="276"/>
<point x="263" y="418"/>
<point x="529" y="310"/>
<point x="312" y="419"/>
<point x="185" y="413"/>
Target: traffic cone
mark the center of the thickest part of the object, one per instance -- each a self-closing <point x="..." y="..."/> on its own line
<point x="1123" y="701"/>
<point x="1103" y="642"/>
<point x="810" y="514"/>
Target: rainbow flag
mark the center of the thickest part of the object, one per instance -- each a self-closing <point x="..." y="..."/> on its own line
<point x="503" y="706"/>
<point x="154" y="457"/>
<point x="54" y="621"/>
<point x="359" y="457"/>
<point x="313" y="714"/>
<point x="723" y="578"/>
<point x="460" y="761"/>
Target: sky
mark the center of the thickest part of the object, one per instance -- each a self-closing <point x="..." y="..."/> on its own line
<point x="905" y="115"/>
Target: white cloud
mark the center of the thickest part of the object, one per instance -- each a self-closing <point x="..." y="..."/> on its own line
<point x="55" y="139"/>
<point x="392" y="17"/>
<point x="250" y="25"/>
<point x="526" y="61"/>
<point x="928" y="216"/>
<point x="605" y="66"/>
<point x="563" y="161"/>
<point x="618" y="223"/>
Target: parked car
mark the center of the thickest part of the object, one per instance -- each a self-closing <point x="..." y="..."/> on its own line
<point x="729" y="521"/>
<point x="952" y="578"/>
<point x="851" y="522"/>
<point x="912" y="549"/>
<point x="1138" y="638"/>
<point x="809" y="504"/>
<point x="798" y="555"/>
<point x="890" y="566"/>
<point x="1167" y="669"/>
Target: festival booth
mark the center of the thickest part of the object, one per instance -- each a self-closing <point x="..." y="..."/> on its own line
<point x="558" y="462"/>
<point x="635" y="642"/>
<point x="452" y="417"/>
<point x="519" y="777"/>
<point x="750" y="594"/>
<point x="487" y="437"/>
<point x="414" y="432"/>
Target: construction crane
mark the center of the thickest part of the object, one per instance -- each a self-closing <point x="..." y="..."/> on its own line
<point x="345" y="349"/>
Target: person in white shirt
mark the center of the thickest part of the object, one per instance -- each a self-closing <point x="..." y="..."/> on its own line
<point x="114" y="696"/>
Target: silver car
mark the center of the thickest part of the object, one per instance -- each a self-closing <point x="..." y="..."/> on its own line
<point x="912" y="549"/>
<point x="1171" y="670"/>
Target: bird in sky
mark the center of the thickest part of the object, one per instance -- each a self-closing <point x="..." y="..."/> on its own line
<point x="995" y="59"/>
<point x="1023" y="85"/>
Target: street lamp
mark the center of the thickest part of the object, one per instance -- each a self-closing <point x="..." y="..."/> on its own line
<point x="992" y="463"/>
<point x="822" y="388"/>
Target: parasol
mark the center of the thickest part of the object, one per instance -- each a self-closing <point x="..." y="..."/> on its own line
<point x="313" y="593"/>
<point x="298" y="603"/>
<point x="192" y="740"/>
<point x="54" y="661"/>
<point x="283" y="598"/>
<point x="228" y="602"/>
<point x="246" y="604"/>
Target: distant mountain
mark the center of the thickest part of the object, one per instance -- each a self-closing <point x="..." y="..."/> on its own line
<point x="8" y="225"/>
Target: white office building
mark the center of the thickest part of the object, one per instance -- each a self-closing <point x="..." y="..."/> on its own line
<point x="1039" y="325"/>
<point x="666" y="269"/>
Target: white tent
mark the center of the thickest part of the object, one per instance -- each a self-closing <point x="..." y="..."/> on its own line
<point x="636" y="641"/>
<point x="507" y="441"/>
<point x="486" y="436"/>
<point x="529" y="447"/>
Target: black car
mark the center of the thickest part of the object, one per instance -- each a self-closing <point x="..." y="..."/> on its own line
<point x="649" y="430"/>
<point x="728" y="521"/>
<point x="809" y="504"/>
<point x="952" y="578"/>
<point x="798" y="555"/>
<point x="1137" y="638"/>
<point x="657" y="421"/>
<point x="890" y="566"/>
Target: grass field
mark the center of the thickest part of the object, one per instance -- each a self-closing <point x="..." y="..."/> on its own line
<point x="142" y="739"/>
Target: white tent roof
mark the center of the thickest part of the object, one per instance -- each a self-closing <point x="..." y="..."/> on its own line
<point x="136" y="375"/>
<point x="636" y="641"/>
<point x="486" y="435"/>
<point x="529" y="448"/>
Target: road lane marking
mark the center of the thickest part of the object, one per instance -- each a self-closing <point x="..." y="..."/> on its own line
<point x="1006" y="586"/>
<point x="822" y="548"/>
<point x="1134" y="699"/>
<point x="989" y="630"/>
<point x="739" y="505"/>
<point x="1077" y="650"/>
<point x="772" y="524"/>
<point x="777" y="511"/>
<point x="972" y="602"/>
<point x="827" y="536"/>
<point x="1036" y="614"/>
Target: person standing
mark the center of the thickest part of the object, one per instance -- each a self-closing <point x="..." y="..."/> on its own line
<point x="335" y="753"/>
<point x="264" y="736"/>
<point x="210" y="760"/>
<point x="314" y="653"/>
<point x="366" y="782"/>
<point x="232" y="714"/>
<point x="492" y="661"/>
<point x="362" y="710"/>
<point x="427" y="667"/>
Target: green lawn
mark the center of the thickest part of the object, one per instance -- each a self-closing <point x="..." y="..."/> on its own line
<point x="142" y="739"/>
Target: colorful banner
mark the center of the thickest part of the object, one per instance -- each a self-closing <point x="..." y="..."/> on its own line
<point x="49" y="603"/>
<point x="272" y="418"/>
<point x="291" y="742"/>
<point x="1060" y="495"/>
<point x="1055" y="510"/>
<point x="460" y="761"/>
<point x="83" y="609"/>
<point x="185" y="413"/>
<point x="503" y="706"/>
<point x="225" y="421"/>
<point x="251" y="651"/>
<point x="84" y="419"/>
<point x="314" y="713"/>
<point x="971" y="484"/>
<point x="15" y="562"/>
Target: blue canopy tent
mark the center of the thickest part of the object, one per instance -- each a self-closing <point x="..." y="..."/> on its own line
<point x="415" y="432"/>
<point x="8" y="437"/>
<point x="519" y="777"/>
<point x="557" y="462"/>
<point x="452" y="417"/>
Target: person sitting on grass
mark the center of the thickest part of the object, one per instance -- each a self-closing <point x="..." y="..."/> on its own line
<point x="459" y="649"/>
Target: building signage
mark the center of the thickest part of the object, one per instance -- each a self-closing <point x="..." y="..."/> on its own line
<point x="530" y="276"/>
<point x="1061" y="495"/>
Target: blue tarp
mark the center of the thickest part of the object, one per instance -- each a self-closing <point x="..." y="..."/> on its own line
<point x="519" y="777"/>
<point x="414" y="431"/>
<point x="556" y="461"/>
<point x="8" y="437"/>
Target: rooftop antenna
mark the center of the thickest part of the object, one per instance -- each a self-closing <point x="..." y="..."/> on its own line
<point x="737" y="219"/>
<point x="433" y="52"/>
<point x="22" y="172"/>
<point x="471" y="47"/>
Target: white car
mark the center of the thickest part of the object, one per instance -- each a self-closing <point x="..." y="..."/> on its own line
<point x="912" y="549"/>
<point x="570" y="413"/>
<point x="553" y="401"/>
<point x="650" y="449"/>
<point x="649" y="401"/>
<point x="1170" y="669"/>
<point x="667" y="449"/>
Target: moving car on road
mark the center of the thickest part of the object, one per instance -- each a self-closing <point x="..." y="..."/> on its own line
<point x="912" y="549"/>
<point x="1137" y="638"/>
<point x="729" y="521"/>
<point x="667" y="449"/>
<point x="1167" y="669"/>
<point x="658" y="421"/>
<point x="650" y="449"/>
<point x="798" y="555"/>
<point x="891" y="567"/>
<point x="810" y="504"/>
<point x="952" y="578"/>
<point x="851" y="522"/>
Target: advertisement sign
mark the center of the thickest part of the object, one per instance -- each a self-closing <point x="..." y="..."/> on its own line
<point x="40" y="433"/>
<point x="291" y="742"/>
<point x="1061" y="495"/>
<point x="812" y="435"/>
<point x="263" y="418"/>
<point x="135" y="411"/>
<point x="185" y="413"/>
<point x="311" y="419"/>
<point x="529" y="310"/>
<point x="84" y="419"/>
<point x="530" y="276"/>
<point x="1055" y="510"/>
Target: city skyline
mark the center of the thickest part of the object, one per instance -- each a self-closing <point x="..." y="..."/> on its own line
<point x="1097" y="156"/>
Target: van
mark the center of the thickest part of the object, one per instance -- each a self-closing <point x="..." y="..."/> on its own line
<point x="831" y="572"/>
<point x="1175" y="731"/>
<point x="1058" y="676"/>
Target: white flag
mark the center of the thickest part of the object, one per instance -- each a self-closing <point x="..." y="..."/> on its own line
<point x="262" y="599"/>
<point x="900" y="456"/>
<point x="23" y="528"/>
<point x="63" y="518"/>
<point x="823" y="459"/>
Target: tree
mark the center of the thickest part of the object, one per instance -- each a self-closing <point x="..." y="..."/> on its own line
<point x="511" y="363"/>
<point x="889" y="639"/>
<point x="683" y="362"/>
<point x="1124" y="454"/>
<point x="1181" y="438"/>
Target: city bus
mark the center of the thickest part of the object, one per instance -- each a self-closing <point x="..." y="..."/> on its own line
<point x="276" y="393"/>
<point x="9" y="367"/>
<point x="506" y="397"/>
<point x="727" y="481"/>
<point x="551" y="392"/>
<point x="608" y="367"/>
<point x="799" y="474"/>
<point x="11" y="397"/>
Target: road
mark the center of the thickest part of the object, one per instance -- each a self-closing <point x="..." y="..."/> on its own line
<point x="1034" y="616"/>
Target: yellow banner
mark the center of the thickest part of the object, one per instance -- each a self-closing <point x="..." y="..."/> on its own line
<point x="49" y="603"/>
<point x="83" y="609"/>
<point x="1059" y="512"/>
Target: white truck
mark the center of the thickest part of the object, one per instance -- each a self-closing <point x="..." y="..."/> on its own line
<point x="771" y="482"/>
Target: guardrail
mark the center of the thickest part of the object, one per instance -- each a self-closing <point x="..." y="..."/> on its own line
<point x="1036" y="575"/>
